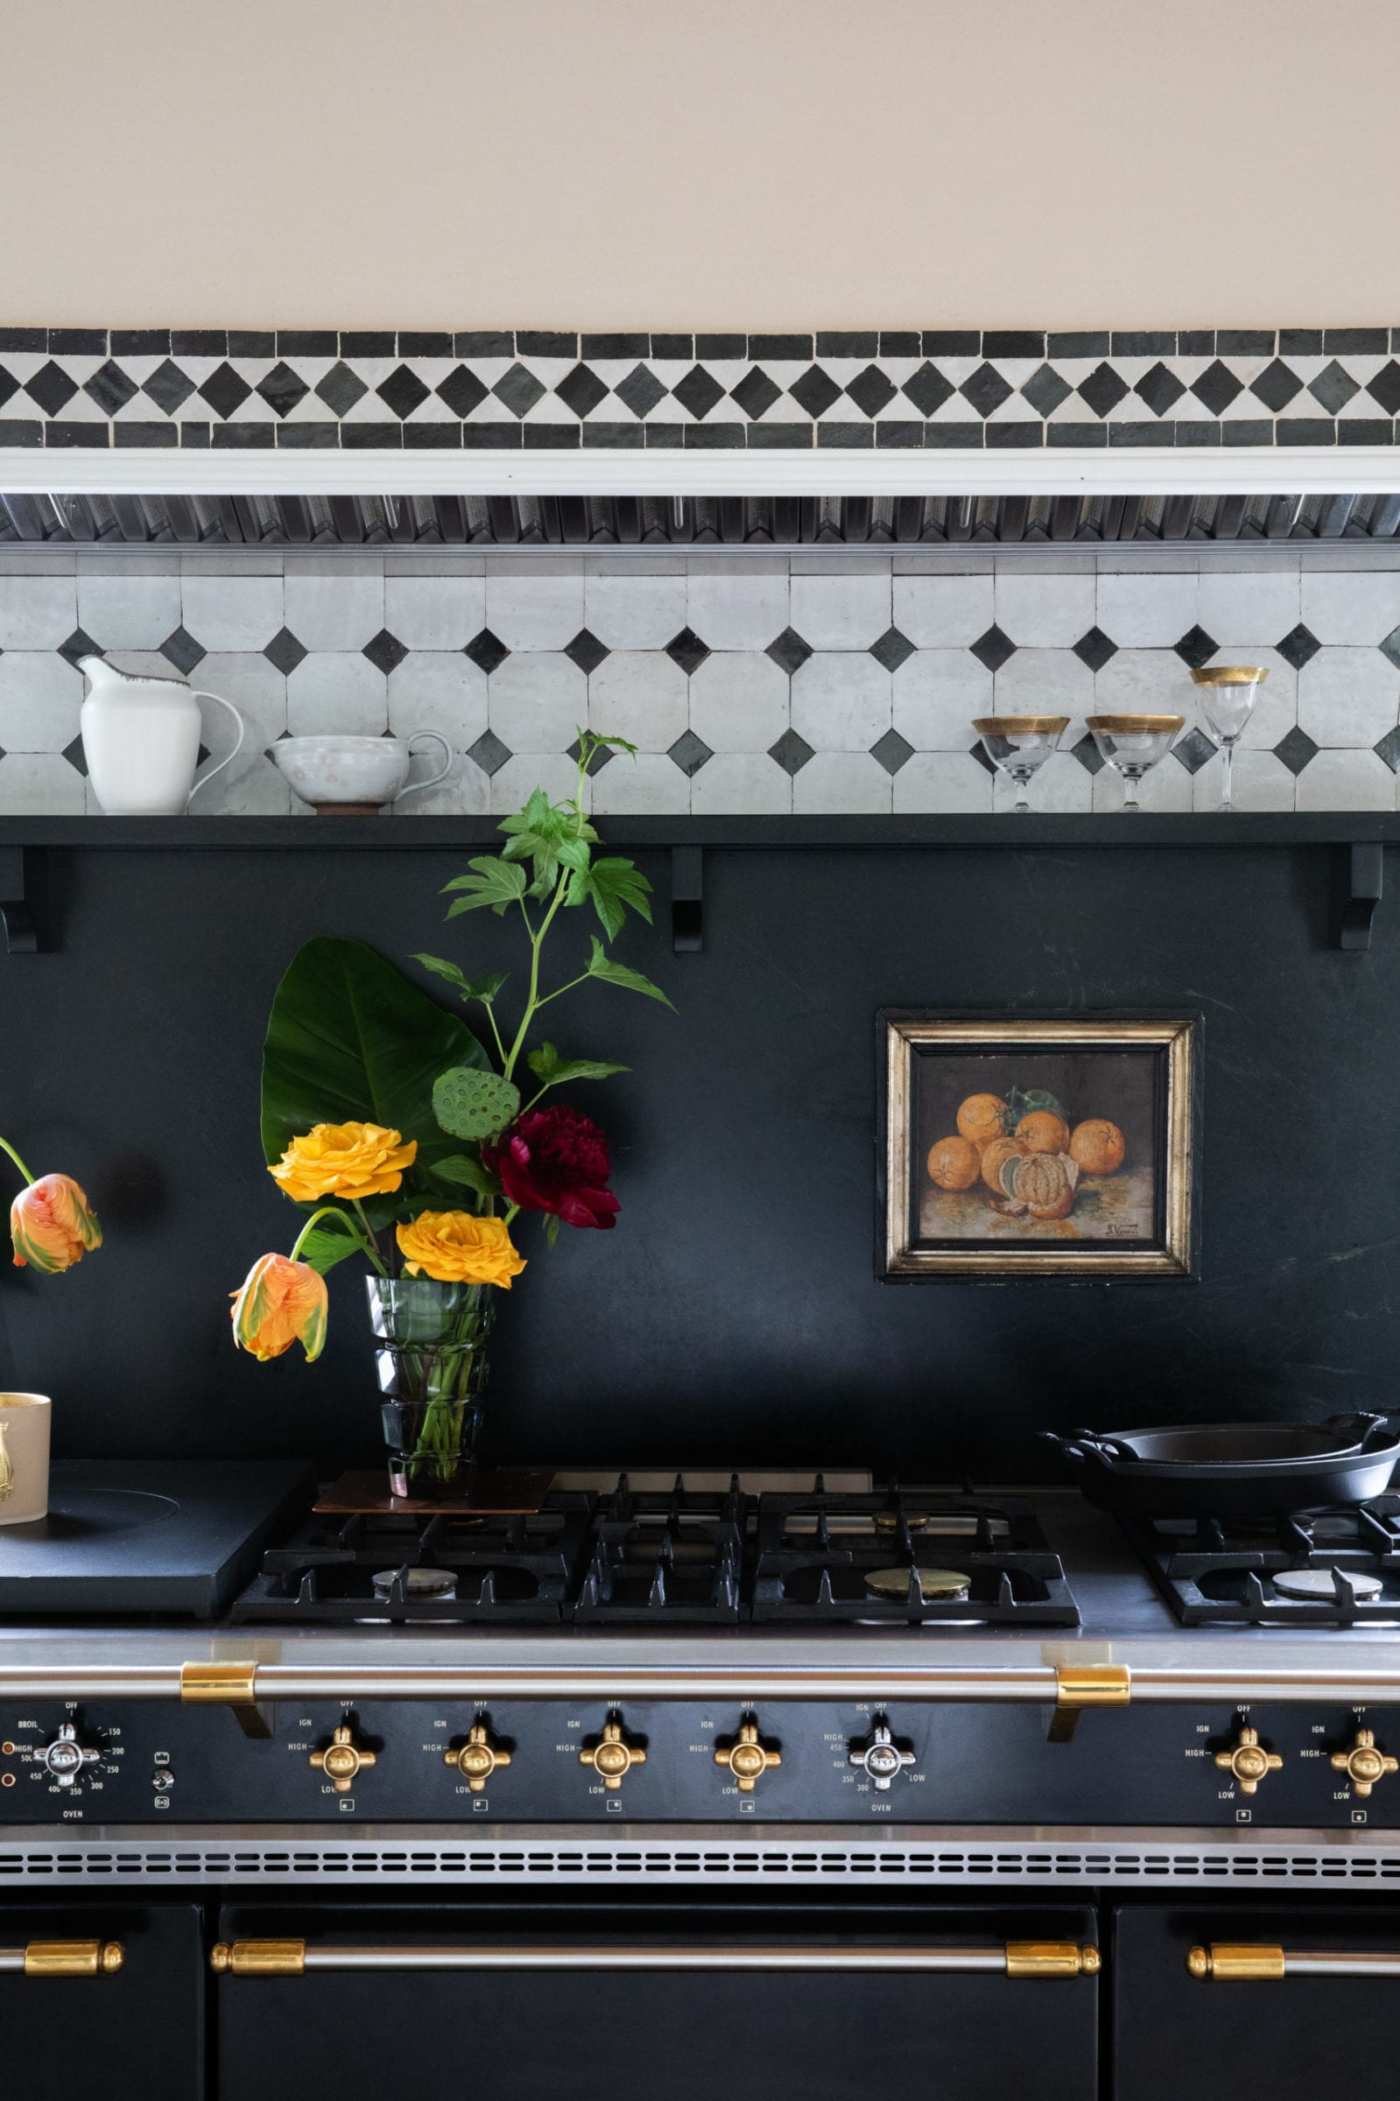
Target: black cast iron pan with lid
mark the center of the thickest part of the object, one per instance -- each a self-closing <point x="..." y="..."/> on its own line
<point x="1233" y="1469"/>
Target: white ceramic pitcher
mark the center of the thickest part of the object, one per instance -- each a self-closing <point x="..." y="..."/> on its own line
<point x="141" y="740"/>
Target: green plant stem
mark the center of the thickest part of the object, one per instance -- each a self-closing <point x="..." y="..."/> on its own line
<point x="532" y="999"/>
<point x="7" y="1148"/>
<point x="322" y="1211"/>
<point x="495" y="1032"/>
<point x="371" y="1242"/>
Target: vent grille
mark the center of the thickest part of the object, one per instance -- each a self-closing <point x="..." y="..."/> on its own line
<point x="1139" y="1864"/>
<point x="766" y="523"/>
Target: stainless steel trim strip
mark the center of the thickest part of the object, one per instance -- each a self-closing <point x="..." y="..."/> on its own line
<point x="1020" y="1959"/>
<point x="1323" y="1963"/>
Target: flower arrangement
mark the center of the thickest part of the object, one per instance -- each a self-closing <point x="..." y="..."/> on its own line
<point x="415" y="1143"/>
<point x="52" y="1224"/>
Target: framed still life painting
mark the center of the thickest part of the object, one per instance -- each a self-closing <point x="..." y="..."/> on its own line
<point x="1016" y="1146"/>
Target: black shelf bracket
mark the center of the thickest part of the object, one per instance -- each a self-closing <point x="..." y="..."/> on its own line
<point x="1362" y="875"/>
<point x="16" y="901"/>
<point x="687" y="899"/>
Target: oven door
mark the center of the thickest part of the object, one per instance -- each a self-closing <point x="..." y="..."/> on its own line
<point x="715" y="2002"/>
<point x="101" y="1998"/>
<point x="1289" y="2001"/>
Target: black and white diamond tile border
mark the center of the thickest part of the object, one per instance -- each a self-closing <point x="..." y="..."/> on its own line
<point x="511" y="390"/>
<point x="772" y="688"/>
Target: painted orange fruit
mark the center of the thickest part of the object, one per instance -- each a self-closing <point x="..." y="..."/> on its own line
<point x="1097" y="1146"/>
<point x="1041" y="1183"/>
<point x="953" y="1163"/>
<point x="995" y="1156"/>
<point x="1043" y="1131"/>
<point x="981" y="1118"/>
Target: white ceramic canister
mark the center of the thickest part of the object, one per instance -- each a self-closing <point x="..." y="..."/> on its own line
<point x="24" y="1457"/>
<point x="141" y="740"/>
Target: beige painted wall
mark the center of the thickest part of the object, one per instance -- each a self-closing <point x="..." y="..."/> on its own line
<point x="710" y="163"/>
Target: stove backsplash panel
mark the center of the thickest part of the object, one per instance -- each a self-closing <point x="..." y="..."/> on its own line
<point x="734" y="1315"/>
<point x="751" y="685"/>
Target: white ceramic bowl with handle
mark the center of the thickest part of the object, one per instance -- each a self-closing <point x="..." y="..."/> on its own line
<point x="354" y="776"/>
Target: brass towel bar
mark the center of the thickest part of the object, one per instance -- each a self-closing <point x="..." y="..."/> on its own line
<point x="298" y="1958"/>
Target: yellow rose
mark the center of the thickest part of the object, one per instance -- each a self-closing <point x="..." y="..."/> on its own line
<point x="453" y="1247"/>
<point x="348" y="1160"/>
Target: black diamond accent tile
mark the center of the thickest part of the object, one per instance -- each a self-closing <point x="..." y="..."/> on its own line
<point x="79" y="644"/>
<point x="979" y="753"/>
<point x="687" y="650"/>
<point x="51" y="387"/>
<point x="403" y="391"/>
<point x="641" y="391"/>
<point x="8" y="385"/>
<point x="1297" y="750"/>
<point x="892" y="649"/>
<point x="892" y="751"/>
<point x="1088" y="754"/>
<point x="816" y="391"/>
<point x="993" y="648"/>
<point x="1389" y="749"/>
<point x="791" y="752"/>
<point x="284" y="652"/>
<point x="385" y="651"/>
<point x="871" y="390"/>
<point x="110" y="387"/>
<point x="77" y="760"/>
<point x="586" y="651"/>
<point x="698" y="392"/>
<point x="1160" y="389"/>
<point x="1103" y="389"/>
<point x="487" y="651"/>
<point x="1193" y="750"/>
<point x="225" y="390"/>
<point x="488" y="752"/>
<point x="340" y="388"/>
<point x="1385" y="388"/>
<point x="1334" y="387"/>
<point x="282" y="389"/>
<point x="602" y="756"/>
<point x="181" y="650"/>
<point x="1046" y="389"/>
<point x="690" y="753"/>
<point x="756" y="392"/>
<point x="1391" y="647"/>
<point x="1217" y="387"/>
<point x="169" y="387"/>
<point x="518" y="390"/>
<point x="581" y="390"/>
<point x="1276" y="385"/>
<point x="788" y="650"/>
<point x="927" y="389"/>
<point x="1299" y="646"/>
<point x="1095" y="649"/>
<point x="462" y="391"/>
<point x="985" y="389"/>
<point x="1196" y="647"/>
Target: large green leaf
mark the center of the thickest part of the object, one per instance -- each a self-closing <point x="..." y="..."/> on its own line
<point x="351" y="1039"/>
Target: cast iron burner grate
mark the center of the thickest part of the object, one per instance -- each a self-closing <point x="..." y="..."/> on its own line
<point x="816" y="1552"/>
<point x="667" y="1555"/>
<point x="519" y="1568"/>
<point x="1222" y="1572"/>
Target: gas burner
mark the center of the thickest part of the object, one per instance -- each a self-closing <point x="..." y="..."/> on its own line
<point x="1332" y="1567"/>
<point x="451" y="1567"/>
<point x="666" y="1556"/>
<point x="859" y="1558"/>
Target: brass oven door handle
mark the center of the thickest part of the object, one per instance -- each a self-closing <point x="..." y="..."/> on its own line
<point x="63" y="1959"/>
<point x="298" y="1958"/>
<point x="1250" y="1962"/>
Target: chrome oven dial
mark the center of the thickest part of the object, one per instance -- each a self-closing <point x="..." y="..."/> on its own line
<point x="879" y="1757"/>
<point x="63" y="1760"/>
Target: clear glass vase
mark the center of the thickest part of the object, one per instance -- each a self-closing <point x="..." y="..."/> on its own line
<point x="430" y="1355"/>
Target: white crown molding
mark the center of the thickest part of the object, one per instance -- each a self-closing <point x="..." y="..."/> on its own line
<point x="1136" y="471"/>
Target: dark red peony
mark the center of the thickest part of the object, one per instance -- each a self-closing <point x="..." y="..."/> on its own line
<point x="556" y="1160"/>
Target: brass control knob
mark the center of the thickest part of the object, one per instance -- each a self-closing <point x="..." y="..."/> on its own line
<point x="612" y="1757"/>
<point x="1363" y="1764"/>
<point x="478" y="1758"/>
<point x="342" y="1760"/>
<point x="1248" y="1761"/>
<point x="746" y="1758"/>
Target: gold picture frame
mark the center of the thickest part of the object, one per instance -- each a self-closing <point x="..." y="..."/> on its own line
<point x="1037" y="1146"/>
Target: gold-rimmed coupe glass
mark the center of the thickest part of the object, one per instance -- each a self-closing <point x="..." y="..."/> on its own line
<point x="1020" y="744"/>
<point x="1228" y="694"/>
<point x="1133" y="744"/>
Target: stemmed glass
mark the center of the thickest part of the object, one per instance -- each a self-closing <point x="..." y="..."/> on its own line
<point x="1020" y="745"/>
<point x="1132" y="745"/>
<point x="1228" y="694"/>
